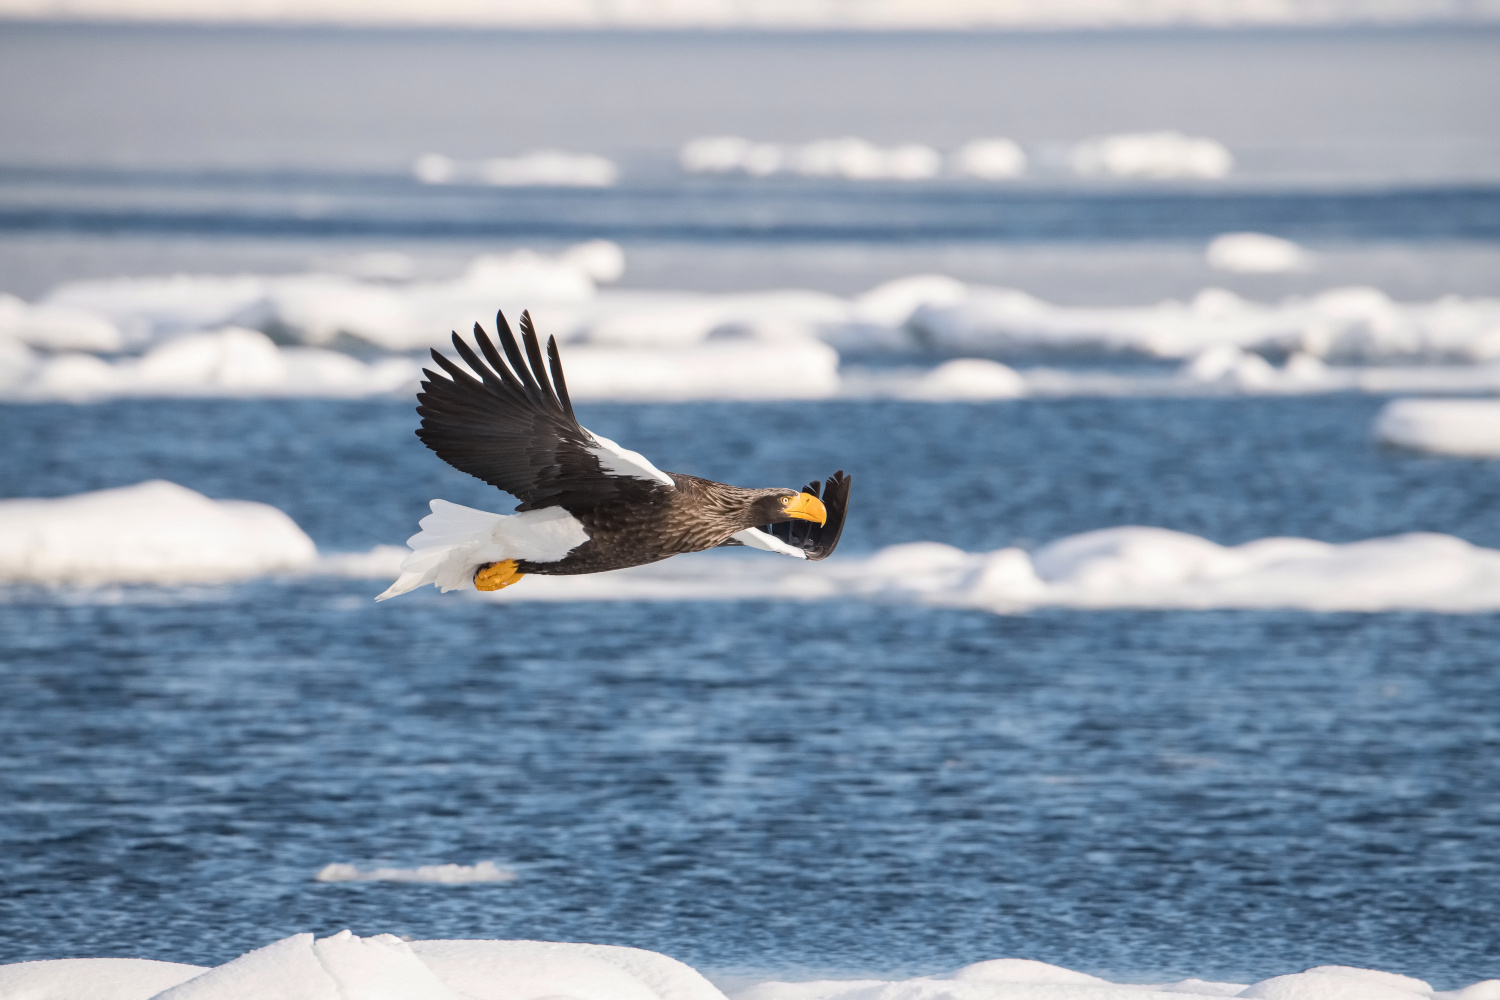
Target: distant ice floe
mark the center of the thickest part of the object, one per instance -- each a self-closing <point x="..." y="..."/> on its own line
<point x="1468" y="427"/>
<point x="1152" y="156"/>
<point x="1255" y="253"/>
<point x="345" y="966"/>
<point x="450" y="874"/>
<point x="849" y="158"/>
<point x="988" y="160"/>
<point x="338" y="334"/>
<point x="539" y="168"/>
<point x="154" y="532"/>
<point x="232" y="361"/>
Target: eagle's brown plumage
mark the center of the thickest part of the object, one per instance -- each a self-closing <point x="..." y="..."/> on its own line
<point x="508" y="420"/>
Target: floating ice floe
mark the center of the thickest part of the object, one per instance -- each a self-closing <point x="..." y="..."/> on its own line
<point x="232" y="362"/>
<point x="385" y="967"/>
<point x="1353" y="324"/>
<point x="988" y="160"/>
<point x="1125" y="567"/>
<point x="1469" y="427"/>
<point x="539" y="168"/>
<point x="312" y="334"/>
<point x="155" y="532"/>
<point x="849" y="158"/>
<point x="161" y="533"/>
<point x="1152" y="156"/>
<point x="450" y="874"/>
<point x="1255" y="253"/>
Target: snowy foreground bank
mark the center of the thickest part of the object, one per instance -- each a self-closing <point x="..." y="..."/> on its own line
<point x="328" y="334"/>
<point x="384" y="967"/>
<point x="162" y="534"/>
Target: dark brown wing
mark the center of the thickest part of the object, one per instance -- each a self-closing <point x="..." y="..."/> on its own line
<point x="513" y="426"/>
<point x="818" y="540"/>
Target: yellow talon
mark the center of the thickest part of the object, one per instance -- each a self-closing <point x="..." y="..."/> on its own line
<point x="495" y="575"/>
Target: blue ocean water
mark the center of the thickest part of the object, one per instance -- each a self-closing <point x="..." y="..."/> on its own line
<point x="765" y="786"/>
<point x="759" y="787"/>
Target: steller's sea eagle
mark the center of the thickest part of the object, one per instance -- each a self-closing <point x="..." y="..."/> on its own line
<point x="587" y="504"/>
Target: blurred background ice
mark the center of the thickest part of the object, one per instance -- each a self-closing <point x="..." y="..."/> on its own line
<point x="1129" y="661"/>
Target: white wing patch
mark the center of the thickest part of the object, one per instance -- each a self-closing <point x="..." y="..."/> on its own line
<point x="618" y="461"/>
<point x="455" y="541"/>
<point x="757" y="539"/>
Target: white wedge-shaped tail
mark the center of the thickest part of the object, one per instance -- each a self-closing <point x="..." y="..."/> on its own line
<point x="455" y="541"/>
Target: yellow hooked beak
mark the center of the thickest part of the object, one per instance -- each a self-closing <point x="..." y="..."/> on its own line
<point x="806" y="507"/>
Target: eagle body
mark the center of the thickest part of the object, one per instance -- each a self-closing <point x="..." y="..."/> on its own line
<point x="587" y="505"/>
<point x="696" y="515"/>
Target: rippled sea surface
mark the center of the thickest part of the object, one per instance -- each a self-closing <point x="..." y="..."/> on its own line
<point x="765" y="786"/>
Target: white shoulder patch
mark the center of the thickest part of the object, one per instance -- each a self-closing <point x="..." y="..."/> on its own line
<point x="757" y="539"/>
<point x="617" y="461"/>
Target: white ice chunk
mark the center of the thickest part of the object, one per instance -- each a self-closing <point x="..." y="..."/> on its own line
<point x="521" y="970"/>
<point x="57" y="327"/>
<point x="550" y="168"/>
<point x="154" y="532"/>
<point x="1335" y="982"/>
<point x="1021" y="970"/>
<point x="92" y="979"/>
<point x="286" y="969"/>
<point x="1254" y="253"/>
<point x="538" y="168"/>
<point x="969" y="378"/>
<point x="601" y="260"/>
<point x="846" y="157"/>
<point x="989" y="160"/>
<point x="893" y="302"/>
<point x="347" y="967"/>
<point x="449" y="874"/>
<point x="1152" y="156"/>
<point x="232" y="358"/>
<point x="1469" y="427"/>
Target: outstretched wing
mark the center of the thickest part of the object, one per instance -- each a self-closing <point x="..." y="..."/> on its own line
<point x="512" y="425"/>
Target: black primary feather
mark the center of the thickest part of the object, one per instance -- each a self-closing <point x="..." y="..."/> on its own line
<point x="513" y="425"/>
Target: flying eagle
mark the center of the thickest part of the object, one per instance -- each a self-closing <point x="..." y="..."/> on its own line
<point x="587" y="504"/>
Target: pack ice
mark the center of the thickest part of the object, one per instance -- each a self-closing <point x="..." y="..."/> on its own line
<point x="352" y="334"/>
<point x="153" y="532"/>
<point x="384" y="967"/>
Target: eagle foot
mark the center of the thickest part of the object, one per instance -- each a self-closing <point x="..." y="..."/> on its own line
<point x="496" y="575"/>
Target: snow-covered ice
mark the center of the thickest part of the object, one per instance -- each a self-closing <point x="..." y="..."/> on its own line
<point x="161" y="533"/>
<point x="154" y="532"/>
<point x="538" y="168"/>
<point x="847" y="157"/>
<point x="323" y="334"/>
<point x="1255" y="253"/>
<point x="1152" y="156"/>
<point x="989" y="159"/>
<point x="449" y="874"/>
<point x="1468" y="427"/>
<point x="345" y="966"/>
<point x="1122" y="567"/>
